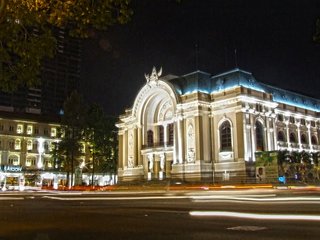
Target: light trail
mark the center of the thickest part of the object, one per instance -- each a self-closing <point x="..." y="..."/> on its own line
<point x="255" y="215"/>
<point x="11" y="198"/>
<point x="257" y="199"/>
<point x="115" y="198"/>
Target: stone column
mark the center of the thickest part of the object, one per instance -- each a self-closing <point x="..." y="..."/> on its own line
<point x="125" y="149"/>
<point x="139" y="145"/>
<point x="275" y="134"/>
<point x="165" y="135"/>
<point x="253" y="138"/>
<point x="120" y="150"/>
<point x="180" y="141"/>
<point x="309" y="136"/>
<point x="245" y="138"/>
<point x="299" y="139"/>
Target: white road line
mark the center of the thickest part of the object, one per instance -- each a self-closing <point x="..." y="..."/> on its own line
<point x="255" y="215"/>
<point x="114" y="198"/>
<point x="11" y="198"/>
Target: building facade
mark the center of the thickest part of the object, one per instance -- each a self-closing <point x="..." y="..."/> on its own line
<point x="200" y="127"/>
<point x="26" y="142"/>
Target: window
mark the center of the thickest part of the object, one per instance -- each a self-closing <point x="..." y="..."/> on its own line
<point x="11" y="128"/>
<point x="280" y="136"/>
<point x="36" y="130"/>
<point x="19" y="128"/>
<point x="13" y="160"/>
<point x="170" y="126"/>
<point x="314" y="140"/>
<point x="45" y="132"/>
<point x="29" y="145"/>
<point x="17" y="144"/>
<point x="313" y="123"/>
<point x="161" y="135"/>
<point x="150" y="138"/>
<point x="11" y="145"/>
<point x="292" y="138"/>
<point x="29" y="129"/>
<point x="259" y="107"/>
<point x="1" y="127"/>
<point x="31" y="161"/>
<point x="303" y="122"/>
<point x="280" y="117"/>
<point x="46" y="146"/>
<point x="259" y="136"/>
<point x="303" y="139"/>
<point x="225" y="136"/>
<point x="35" y="145"/>
<point x="53" y="132"/>
<point x="291" y="119"/>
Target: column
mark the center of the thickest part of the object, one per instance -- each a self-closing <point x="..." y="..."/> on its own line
<point x="180" y="141"/>
<point x="299" y="139"/>
<point x="165" y="134"/>
<point x="288" y="135"/>
<point x="253" y="138"/>
<point x="245" y="140"/>
<point x="269" y="148"/>
<point x="139" y="133"/>
<point x="125" y="149"/>
<point x="309" y="136"/>
<point x="275" y="133"/>
<point x="120" y="151"/>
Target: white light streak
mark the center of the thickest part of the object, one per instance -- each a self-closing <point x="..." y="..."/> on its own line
<point x="255" y="215"/>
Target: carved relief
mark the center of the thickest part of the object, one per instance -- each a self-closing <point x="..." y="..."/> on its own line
<point x="150" y="162"/>
<point x="190" y="142"/>
<point x="130" y="150"/>
<point x="162" y="161"/>
<point x="154" y="75"/>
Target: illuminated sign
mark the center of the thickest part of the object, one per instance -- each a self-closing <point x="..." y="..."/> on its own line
<point x="11" y="168"/>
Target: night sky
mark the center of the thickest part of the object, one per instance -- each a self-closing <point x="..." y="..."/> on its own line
<point x="273" y="41"/>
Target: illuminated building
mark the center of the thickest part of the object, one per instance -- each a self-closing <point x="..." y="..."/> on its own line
<point x="200" y="127"/>
<point x="25" y="144"/>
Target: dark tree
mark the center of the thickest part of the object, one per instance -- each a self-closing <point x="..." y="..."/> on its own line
<point x="26" y="37"/>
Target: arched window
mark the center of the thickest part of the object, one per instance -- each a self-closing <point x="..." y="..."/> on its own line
<point x="13" y="160"/>
<point x="280" y="136"/>
<point x="170" y="126"/>
<point x="225" y="136"/>
<point x="293" y="138"/>
<point x="259" y="136"/>
<point x="30" y="161"/>
<point x="303" y="139"/>
<point x="161" y="134"/>
<point x="150" y="138"/>
<point x="17" y="144"/>
<point x="314" y="140"/>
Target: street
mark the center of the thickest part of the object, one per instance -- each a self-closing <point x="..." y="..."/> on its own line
<point x="161" y="215"/>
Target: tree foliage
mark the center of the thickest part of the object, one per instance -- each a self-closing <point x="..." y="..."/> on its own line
<point x="316" y="36"/>
<point x="73" y="124"/>
<point x="101" y="135"/>
<point x="26" y="37"/>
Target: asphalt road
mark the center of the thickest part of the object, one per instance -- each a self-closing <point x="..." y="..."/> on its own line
<point x="58" y="216"/>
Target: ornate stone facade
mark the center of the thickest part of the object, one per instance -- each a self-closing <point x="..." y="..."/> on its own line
<point x="200" y="127"/>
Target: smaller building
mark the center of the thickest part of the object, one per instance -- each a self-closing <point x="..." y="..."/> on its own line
<point x="26" y="141"/>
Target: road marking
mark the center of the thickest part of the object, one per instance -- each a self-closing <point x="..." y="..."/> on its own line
<point x="258" y="199"/>
<point x="114" y="198"/>
<point x="247" y="228"/>
<point x="255" y="215"/>
<point x="11" y="198"/>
